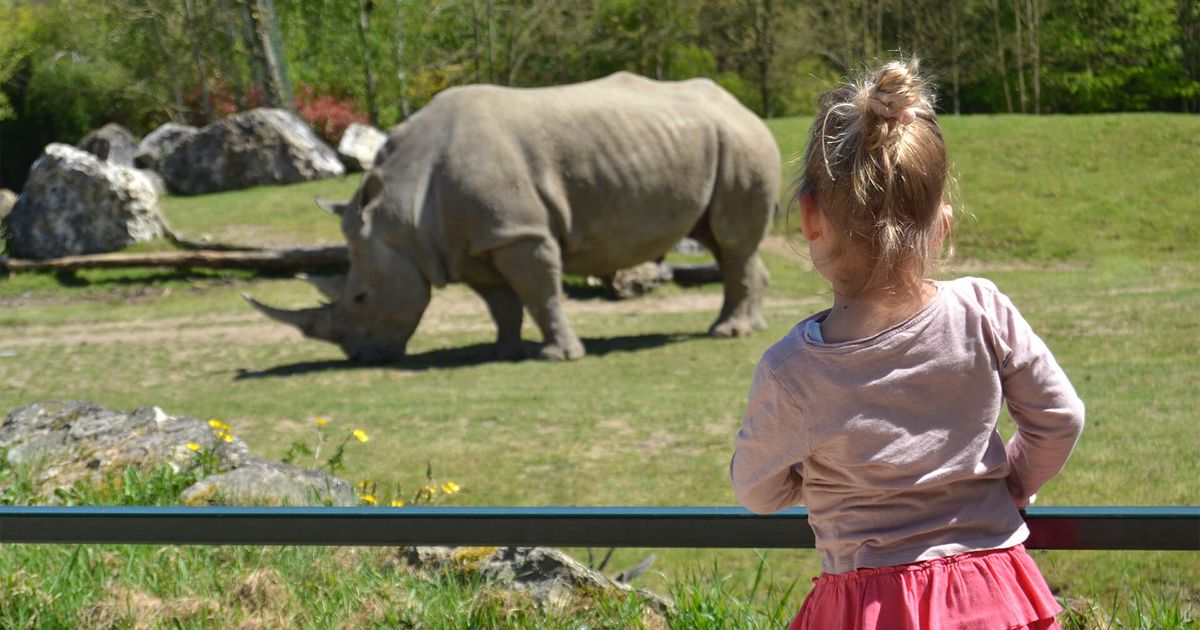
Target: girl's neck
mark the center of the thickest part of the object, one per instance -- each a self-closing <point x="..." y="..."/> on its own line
<point x="855" y="317"/>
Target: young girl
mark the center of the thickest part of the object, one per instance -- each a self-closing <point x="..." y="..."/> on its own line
<point x="880" y="413"/>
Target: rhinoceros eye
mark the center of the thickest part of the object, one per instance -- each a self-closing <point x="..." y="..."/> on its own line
<point x="360" y="298"/>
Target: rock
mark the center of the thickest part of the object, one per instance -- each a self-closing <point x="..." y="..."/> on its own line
<point x="690" y="247"/>
<point x="111" y="143"/>
<point x="550" y="577"/>
<point x="65" y="442"/>
<point x="160" y="143"/>
<point x="255" y="148"/>
<point x="265" y="482"/>
<point x="635" y="281"/>
<point x="8" y="199"/>
<point x="359" y="145"/>
<point x="74" y="203"/>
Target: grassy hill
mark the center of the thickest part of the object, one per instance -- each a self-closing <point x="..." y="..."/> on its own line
<point x="1090" y="223"/>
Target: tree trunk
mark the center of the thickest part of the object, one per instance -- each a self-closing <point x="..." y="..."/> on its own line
<point x="176" y="85"/>
<point x="491" y="36"/>
<point x="194" y="40"/>
<point x="1000" y="56"/>
<point x="1035" y="21"/>
<point x="364" y="22"/>
<point x="1019" y="53"/>
<point x="475" y="45"/>
<point x="269" y="44"/>
<point x="398" y="57"/>
<point x="954" y="68"/>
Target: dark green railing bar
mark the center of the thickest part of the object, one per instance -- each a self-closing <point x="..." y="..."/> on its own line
<point x="1124" y="527"/>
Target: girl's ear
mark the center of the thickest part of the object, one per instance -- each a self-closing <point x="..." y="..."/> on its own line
<point x="945" y="223"/>
<point x="810" y="218"/>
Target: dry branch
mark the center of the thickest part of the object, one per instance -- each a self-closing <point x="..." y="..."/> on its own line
<point x="269" y="260"/>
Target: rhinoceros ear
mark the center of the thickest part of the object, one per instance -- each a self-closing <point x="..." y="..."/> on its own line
<point x="336" y="207"/>
<point x="332" y="287"/>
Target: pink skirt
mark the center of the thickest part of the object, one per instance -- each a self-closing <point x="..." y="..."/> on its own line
<point x="996" y="589"/>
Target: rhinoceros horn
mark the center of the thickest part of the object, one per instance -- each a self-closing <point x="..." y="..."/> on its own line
<point x="313" y="322"/>
<point x="332" y="287"/>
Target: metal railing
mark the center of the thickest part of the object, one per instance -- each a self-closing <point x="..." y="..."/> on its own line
<point x="1132" y="528"/>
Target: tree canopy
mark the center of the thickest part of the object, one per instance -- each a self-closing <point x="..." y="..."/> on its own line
<point x="69" y="66"/>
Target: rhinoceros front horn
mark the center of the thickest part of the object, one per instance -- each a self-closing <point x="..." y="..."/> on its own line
<point x="313" y="322"/>
<point x="332" y="287"/>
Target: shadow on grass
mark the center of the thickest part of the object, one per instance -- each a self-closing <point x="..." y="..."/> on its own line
<point x="467" y="356"/>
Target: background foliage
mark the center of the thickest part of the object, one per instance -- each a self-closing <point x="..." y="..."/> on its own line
<point x="69" y="66"/>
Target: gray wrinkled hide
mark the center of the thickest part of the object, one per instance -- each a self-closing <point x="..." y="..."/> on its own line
<point x="74" y="204"/>
<point x="506" y="189"/>
<point x="255" y="148"/>
<point x="65" y="442"/>
<point x="359" y="146"/>
<point x="160" y="143"/>
<point x="111" y="143"/>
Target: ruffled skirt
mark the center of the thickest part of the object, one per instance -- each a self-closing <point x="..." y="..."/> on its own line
<point x="996" y="589"/>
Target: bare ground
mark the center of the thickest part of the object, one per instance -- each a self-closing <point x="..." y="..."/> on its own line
<point x="452" y="310"/>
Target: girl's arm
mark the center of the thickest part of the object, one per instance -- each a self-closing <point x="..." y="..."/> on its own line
<point x="1048" y="413"/>
<point x="766" y="469"/>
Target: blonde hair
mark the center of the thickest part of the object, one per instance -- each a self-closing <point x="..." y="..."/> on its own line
<point x="876" y="164"/>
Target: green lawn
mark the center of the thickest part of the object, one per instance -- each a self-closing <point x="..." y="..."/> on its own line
<point x="1090" y="223"/>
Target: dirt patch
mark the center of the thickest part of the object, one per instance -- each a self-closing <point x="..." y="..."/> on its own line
<point x="452" y="310"/>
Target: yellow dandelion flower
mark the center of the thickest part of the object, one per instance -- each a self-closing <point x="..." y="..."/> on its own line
<point x="360" y="435"/>
<point x="364" y="483"/>
<point x="217" y="424"/>
<point x="450" y="487"/>
<point x="322" y="421"/>
<point x="222" y="435"/>
<point x="397" y="502"/>
<point x="192" y="446"/>
<point x="369" y="498"/>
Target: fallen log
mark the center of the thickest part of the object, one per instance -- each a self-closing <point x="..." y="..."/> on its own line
<point x="267" y="260"/>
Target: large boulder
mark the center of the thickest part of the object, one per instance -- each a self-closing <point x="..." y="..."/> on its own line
<point x="8" y="199"/>
<point x="73" y="203"/>
<point x="160" y="143"/>
<point x="359" y="146"/>
<point x="66" y="442"/>
<point x="111" y="143"/>
<point x="254" y="148"/>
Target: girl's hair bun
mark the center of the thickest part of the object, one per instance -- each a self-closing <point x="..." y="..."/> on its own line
<point x="896" y="92"/>
<point x="876" y="162"/>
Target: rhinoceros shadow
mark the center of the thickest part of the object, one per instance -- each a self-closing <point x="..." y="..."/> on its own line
<point x="470" y="355"/>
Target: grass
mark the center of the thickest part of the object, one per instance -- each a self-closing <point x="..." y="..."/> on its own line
<point x="1089" y="223"/>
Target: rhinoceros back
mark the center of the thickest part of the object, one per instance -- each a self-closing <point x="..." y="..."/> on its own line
<point x="616" y="170"/>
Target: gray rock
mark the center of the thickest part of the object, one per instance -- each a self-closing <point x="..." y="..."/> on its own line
<point x="635" y="281"/>
<point x="689" y="246"/>
<point x="64" y="442"/>
<point x="266" y="482"/>
<point x="111" y="143"/>
<point x="8" y="199"/>
<point x="160" y="143"/>
<point x="550" y="577"/>
<point x="74" y="204"/>
<point x="359" y="146"/>
<point x="255" y="148"/>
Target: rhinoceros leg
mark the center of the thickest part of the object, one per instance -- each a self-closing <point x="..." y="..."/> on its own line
<point x="744" y="279"/>
<point x="506" y="310"/>
<point x="533" y="268"/>
<point x="734" y="244"/>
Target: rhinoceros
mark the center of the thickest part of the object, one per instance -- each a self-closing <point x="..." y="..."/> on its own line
<point x="505" y="189"/>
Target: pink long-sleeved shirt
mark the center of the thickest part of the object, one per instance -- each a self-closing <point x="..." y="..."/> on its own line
<point x="891" y="441"/>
